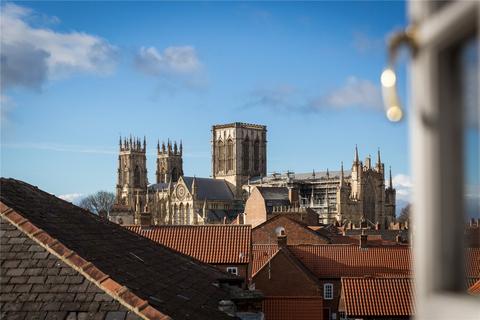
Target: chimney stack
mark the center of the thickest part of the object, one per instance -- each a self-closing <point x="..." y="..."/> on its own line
<point x="363" y="239"/>
<point x="281" y="237"/>
<point x="293" y="196"/>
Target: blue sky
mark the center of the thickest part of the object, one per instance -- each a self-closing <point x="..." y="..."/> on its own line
<point x="87" y="72"/>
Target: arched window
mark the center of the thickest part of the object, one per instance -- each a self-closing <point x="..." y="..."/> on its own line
<point x="182" y="214"/>
<point x="174" y="175"/>
<point x="221" y="156"/>
<point x="175" y="214"/>
<point x="136" y="177"/>
<point x="187" y="214"/>
<point x="229" y="155"/>
<point x="256" y="156"/>
<point x="246" y="154"/>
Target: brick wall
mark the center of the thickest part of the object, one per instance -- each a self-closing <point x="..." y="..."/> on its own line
<point x="284" y="278"/>
<point x="255" y="209"/>
<point x="296" y="233"/>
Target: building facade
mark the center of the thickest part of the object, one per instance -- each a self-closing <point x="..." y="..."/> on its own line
<point x="356" y="195"/>
<point x="239" y="152"/>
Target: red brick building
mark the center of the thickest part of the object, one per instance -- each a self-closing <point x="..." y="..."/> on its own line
<point x="227" y="247"/>
<point x="267" y="202"/>
<point x="296" y="231"/>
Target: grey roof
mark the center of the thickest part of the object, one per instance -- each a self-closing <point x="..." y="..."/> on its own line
<point x="274" y="193"/>
<point x="210" y="189"/>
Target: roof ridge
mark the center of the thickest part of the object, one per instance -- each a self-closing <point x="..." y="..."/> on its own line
<point x="86" y="268"/>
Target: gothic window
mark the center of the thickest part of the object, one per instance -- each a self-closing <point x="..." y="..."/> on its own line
<point x="175" y="215"/>
<point x="174" y="175"/>
<point x="256" y="156"/>
<point x="182" y="214"/>
<point x="221" y="156"/>
<point x="230" y="155"/>
<point x="246" y="154"/>
<point x="136" y="177"/>
<point x="187" y="214"/>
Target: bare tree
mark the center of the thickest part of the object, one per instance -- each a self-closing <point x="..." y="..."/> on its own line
<point x="405" y="214"/>
<point x="100" y="202"/>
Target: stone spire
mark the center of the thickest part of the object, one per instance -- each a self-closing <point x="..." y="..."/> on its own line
<point x="194" y="188"/>
<point x="379" y="161"/>
<point x="204" y="209"/>
<point x="181" y="147"/>
<point x="158" y="146"/>
<point x="356" y="155"/>
<point x="390" y="182"/>
<point x="341" y="174"/>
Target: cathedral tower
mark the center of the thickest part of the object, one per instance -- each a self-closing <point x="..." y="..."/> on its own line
<point x="239" y="152"/>
<point x="132" y="171"/>
<point x="169" y="162"/>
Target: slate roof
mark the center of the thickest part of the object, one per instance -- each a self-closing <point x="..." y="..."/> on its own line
<point x="336" y="261"/>
<point x="36" y="284"/>
<point x="298" y="308"/>
<point x="146" y="276"/>
<point x="215" y="244"/>
<point x="210" y="189"/>
<point x="380" y="297"/>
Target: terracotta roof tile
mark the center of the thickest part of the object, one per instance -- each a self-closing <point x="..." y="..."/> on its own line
<point x="261" y="254"/>
<point x="159" y="280"/>
<point x="385" y="297"/>
<point x="215" y="244"/>
<point x="298" y="308"/>
<point x="335" y="261"/>
<point x="475" y="289"/>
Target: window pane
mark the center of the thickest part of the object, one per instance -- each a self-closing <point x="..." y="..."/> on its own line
<point x="469" y="78"/>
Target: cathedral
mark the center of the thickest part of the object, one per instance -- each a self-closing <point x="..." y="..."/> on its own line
<point x="344" y="196"/>
<point x="239" y="163"/>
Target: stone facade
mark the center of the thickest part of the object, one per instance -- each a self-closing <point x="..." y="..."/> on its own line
<point x="169" y="162"/>
<point x="342" y="196"/>
<point x="239" y="152"/>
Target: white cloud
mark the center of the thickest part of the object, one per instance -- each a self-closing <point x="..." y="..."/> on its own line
<point x="32" y="55"/>
<point x="359" y="93"/>
<point x="72" y="197"/>
<point x="403" y="184"/>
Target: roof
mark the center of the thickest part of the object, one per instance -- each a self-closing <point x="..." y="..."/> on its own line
<point x="475" y="289"/>
<point x="215" y="244"/>
<point x="36" y="284"/>
<point x="385" y="297"/>
<point x="299" y="308"/>
<point x="211" y="189"/>
<point x="240" y="125"/>
<point x="274" y="193"/>
<point x="335" y="261"/>
<point x="262" y="253"/>
<point x="146" y="277"/>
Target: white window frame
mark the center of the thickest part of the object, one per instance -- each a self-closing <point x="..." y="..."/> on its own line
<point x="325" y="290"/>
<point x="436" y="127"/>
<point x="234" y="269"/>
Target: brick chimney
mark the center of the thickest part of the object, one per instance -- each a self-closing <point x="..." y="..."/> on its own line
<point x="293" y="196"/>
<point x="363" y="239"/>
<point x="281" y="237"/>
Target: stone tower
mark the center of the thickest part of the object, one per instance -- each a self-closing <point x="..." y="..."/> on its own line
<point x="169" y="162"/>
<point x="239" y="152"/>
<point x="132" y="172"/>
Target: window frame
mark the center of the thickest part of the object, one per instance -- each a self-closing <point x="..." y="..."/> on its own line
<point x="233" y="268"/>
<point x="437" y="158"/>
<point x="325" y="286"/>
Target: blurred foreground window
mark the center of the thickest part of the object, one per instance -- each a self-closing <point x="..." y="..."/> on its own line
<point x="445" y="141"/>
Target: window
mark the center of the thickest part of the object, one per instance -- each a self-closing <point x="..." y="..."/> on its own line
<point x="443" y="152"/>
<point x="328" y="291"/>
<point x="230" y="155"/>
<point x="221" y="156"/>
<point x="256" y="156"/>
<point x="246" y="154"/>
<point x="232" y="270"/>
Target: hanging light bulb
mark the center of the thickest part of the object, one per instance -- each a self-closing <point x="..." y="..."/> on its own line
<point x="388" y="78"/>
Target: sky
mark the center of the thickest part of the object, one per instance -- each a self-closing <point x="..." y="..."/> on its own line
<point x="80" y="74"/>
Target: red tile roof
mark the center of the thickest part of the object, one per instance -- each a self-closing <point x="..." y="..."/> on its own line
<point x="473" y="262"/>
<point x="475" y="289"/>
<point x="261" y="254"/>
<point x="298" y="308"/>
<point x="335" y="261"/>
<point x="214" y="244"/>
<point x="385" y="297"/>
